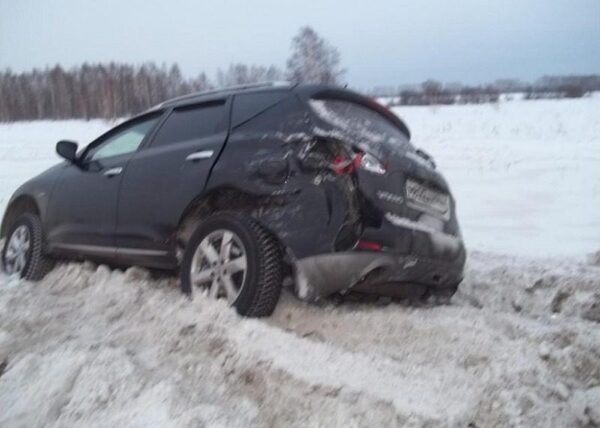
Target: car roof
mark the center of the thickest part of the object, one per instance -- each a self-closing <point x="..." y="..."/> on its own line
<point x="198" y="97"/>
<point x="203" y="96"/>
<point x="306" y="91"/>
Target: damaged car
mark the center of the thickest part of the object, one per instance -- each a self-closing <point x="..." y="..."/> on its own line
<point x="241" y="188"/>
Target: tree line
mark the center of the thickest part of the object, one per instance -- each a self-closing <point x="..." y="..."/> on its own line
<point x="432" y="92"/>
<point x="90" y="91"/>
<point x="117" y="90"/>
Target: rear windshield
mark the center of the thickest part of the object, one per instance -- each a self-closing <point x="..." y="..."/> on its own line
<point x="365" y="127"/>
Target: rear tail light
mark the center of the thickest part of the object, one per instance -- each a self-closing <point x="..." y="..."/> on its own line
<point x="363" y="244"/>
<point x="360" y="160"/>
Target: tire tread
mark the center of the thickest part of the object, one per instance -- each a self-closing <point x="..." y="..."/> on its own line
<point x="264" y="287"/>
<point x="39" y="263"/>
<point x="271" y="272"/>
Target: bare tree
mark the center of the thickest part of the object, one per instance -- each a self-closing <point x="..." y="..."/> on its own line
<point x="242" y="74"/>
<point x="313" y="59"/>
<point x="200" y="83"/>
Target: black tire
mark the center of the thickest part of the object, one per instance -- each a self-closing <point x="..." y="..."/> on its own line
<point x="37" y="263"/>
<point x="261" y="287"/>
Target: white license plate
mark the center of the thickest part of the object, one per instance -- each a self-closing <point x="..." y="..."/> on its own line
<point x="427" y="199"/>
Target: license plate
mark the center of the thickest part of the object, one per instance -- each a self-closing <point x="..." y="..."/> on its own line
<point x="427" y="199"/>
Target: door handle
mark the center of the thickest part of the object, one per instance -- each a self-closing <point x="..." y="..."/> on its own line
<point x="204" y="154"/>
<point x="113" y="171"/>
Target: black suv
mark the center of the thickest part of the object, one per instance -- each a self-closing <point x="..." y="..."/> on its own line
<point x="243" y="187"/>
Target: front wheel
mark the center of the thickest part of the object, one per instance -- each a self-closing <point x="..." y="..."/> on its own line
<point x="23" y="254"/>
<point x="232" y="257"/>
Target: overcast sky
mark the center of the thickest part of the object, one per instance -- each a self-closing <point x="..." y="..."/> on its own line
<point x="381" y="42"/>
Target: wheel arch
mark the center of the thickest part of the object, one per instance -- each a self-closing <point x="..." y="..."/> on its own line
<point x="22" y="204"/>
<point x="226" y="198"/>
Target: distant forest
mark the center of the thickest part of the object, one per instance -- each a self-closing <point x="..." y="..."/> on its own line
<point x="432" y="92"/>
<point x="118" y="90"/>
<point x="90" y="91"/>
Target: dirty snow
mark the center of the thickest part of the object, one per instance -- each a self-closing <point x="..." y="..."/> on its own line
<point x="519" y="345"/>
<point x="93" y="347"/>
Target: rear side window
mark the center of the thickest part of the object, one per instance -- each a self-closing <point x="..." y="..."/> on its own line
<point x="190" y="123"/>
<point x="246" y="106"/>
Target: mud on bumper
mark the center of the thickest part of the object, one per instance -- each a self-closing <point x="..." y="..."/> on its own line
<point x="381" y="273"/>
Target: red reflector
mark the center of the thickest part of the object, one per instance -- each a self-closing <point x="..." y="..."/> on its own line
<point x="368" y="245"/>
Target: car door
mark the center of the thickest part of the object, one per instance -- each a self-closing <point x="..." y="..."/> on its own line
<point x="165" y="176"/>
<point x="83" y="206"/>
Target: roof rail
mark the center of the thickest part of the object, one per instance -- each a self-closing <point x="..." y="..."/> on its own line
<point x="226" y="89"/>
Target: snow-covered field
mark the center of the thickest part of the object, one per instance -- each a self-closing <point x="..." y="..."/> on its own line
<point x="519" y="345"/>
<point x="526" y="174"/>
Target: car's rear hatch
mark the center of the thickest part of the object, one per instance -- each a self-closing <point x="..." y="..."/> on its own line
<point x="410" y="208"/>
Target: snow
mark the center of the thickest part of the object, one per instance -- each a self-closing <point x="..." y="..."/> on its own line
<point x="525" y="174"/>
<point x="518" y="346"/>
<point x="440" y="240"/>
<point x="88" y="346"/>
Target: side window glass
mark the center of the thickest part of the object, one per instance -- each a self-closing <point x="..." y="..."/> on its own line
<point x="125" y="141"/>
<point x="189" y="123"/>
<point x="289" y="116"/>
<point x="245" y="106"/>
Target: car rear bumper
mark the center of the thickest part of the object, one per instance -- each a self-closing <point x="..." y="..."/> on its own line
<point x="416" y="256"/>
<point x="373" y="272"/>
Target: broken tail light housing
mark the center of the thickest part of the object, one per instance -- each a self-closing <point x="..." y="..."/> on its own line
<point x="343" y="165"/>
<point x="369" y="163"/>
<point x="360" y="160"/>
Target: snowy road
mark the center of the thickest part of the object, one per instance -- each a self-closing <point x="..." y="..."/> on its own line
<point x="519" y="345"/>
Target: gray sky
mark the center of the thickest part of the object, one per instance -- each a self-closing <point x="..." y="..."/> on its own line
<point x="381" y="42"/>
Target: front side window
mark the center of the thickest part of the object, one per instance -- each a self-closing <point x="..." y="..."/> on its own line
<point x="190" y="123"/>
<point x="123" y="141"/>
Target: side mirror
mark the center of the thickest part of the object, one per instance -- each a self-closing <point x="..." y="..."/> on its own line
<point x="67" y="150"/>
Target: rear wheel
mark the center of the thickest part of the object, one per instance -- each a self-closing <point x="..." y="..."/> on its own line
<point x="232" y="257"/>
<point x="23" y="253"/>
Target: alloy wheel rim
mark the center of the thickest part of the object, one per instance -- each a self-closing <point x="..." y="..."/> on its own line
<point x="220" y="265"/>
<point x="17" y="250"/>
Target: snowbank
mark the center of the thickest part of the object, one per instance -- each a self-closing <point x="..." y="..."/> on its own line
<point x="92" y="347"/>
